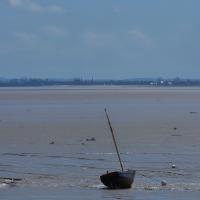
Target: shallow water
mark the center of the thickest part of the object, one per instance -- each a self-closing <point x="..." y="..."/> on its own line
<point x="33" y="168"/>
<point x="77" y="177"/>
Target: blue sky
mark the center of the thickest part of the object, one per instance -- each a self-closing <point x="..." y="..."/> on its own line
<point x="100" y="38"/>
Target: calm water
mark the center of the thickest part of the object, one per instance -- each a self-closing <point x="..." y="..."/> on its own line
<point x="70" y="168"/>
<point x="68" y="176"/>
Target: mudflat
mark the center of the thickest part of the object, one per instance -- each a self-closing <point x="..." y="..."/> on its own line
<point x="57" y="139"/>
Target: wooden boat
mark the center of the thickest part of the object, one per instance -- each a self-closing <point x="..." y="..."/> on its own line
<point x="117" y="179"/>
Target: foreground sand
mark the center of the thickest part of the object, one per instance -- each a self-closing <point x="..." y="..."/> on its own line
<point x="142" y="116"/>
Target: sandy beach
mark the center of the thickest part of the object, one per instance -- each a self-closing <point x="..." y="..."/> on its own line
<point x="45" y="141"/>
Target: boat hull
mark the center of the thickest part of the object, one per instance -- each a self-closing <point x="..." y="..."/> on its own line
<point x="118" y="179"/>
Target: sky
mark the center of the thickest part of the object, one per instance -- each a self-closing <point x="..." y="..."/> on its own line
<point x="100" y="39"/>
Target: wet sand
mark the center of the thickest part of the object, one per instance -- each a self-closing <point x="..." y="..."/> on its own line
<point x="45" y="138"/>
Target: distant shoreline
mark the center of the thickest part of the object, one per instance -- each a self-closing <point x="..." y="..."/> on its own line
<point x="146" y="82"/>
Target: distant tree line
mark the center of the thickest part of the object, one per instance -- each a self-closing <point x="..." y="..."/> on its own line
<point x="37" y="82"/>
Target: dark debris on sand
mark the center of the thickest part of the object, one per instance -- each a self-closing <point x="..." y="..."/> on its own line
<point x="90" y="139"/>
<point x="52" y="142"/>
<point x="193" y="112"/>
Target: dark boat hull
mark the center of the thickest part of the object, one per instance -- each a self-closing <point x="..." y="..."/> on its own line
<point x="118" y="179"/>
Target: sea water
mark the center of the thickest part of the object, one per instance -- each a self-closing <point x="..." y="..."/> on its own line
<point x="46" y="149"/>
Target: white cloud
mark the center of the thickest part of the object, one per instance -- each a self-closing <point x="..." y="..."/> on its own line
<point x="187" y="28"/>
<point x="95" y="39"/>
<point x="15" y="3"/>
<point x="32" y="6"/>
<point x="55" y="9"/>
<point x="116" y="9"/>
<point x="91" y="38"/>
<point x="45" y="38"/>
<point x="141" y="39"/>
<point x="54" y="31"/>
<point x="27" y="38"/>
<point x="99" y="39"/>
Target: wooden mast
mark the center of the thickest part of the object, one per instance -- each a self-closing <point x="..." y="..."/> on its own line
<point x="113" y="137"/>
